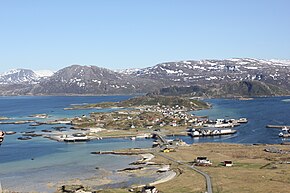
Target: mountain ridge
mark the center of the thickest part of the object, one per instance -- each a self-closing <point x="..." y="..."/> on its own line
<point x="209" y="74"/>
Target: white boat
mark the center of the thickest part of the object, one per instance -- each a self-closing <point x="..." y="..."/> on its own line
<point x="243" y="120"/>
<point x="211" y="132"/>
<point x="10" y="132"/>
<point x="220" y="125"/>
<point x="2" y="134"/>
<point x="76" y="137"/>
<point x="281" y="134"/>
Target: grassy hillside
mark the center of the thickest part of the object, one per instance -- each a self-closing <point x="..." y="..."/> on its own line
<point x="170" y="101"/>
<point x="230" y="89"/>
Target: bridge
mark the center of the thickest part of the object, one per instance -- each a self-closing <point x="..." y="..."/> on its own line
<point x="161" y="138"/>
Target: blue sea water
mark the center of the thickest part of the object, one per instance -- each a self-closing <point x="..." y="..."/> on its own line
<point x="30" y="165"/>
<point x="260" y="112"/>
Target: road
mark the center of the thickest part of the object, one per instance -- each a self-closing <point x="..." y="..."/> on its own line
<point x="206" y="176"/>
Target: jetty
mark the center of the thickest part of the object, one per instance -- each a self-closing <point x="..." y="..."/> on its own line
<point x="278" y="126"/>
<point x="117" y="153"/>
<point x="17" y="122"/>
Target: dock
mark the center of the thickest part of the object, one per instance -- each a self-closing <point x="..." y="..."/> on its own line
<point x="278" y="126"/>
<point x="117" y="153"/>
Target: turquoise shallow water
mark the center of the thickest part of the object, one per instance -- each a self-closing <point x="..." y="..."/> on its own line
<point x="30" y="165"/>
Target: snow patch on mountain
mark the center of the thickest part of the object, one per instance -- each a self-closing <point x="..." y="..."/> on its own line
<point x="44" y="73"/>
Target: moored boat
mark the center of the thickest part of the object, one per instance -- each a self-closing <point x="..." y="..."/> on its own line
<point x="76" y="137"/>
<point x="24" y="138"/>
<point x="2" y="134"/>
<point x="242" y="120"/>
<point x="10" y="132"/>
<point x="211" y="132"/>
<point x="285" y="132"/>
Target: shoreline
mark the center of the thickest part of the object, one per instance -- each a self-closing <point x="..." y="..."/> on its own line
<point x="244" y="145"/>
<point x="207" y="145"/>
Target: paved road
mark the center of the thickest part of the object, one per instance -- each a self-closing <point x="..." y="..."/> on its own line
<point x="206" y="176"/>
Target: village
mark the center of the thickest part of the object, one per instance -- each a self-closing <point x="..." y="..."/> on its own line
<point x="166" y="116"/>
<point x="175" y="160"/>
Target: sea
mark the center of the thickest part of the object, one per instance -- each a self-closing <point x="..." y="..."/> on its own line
<point x="40" y="164"/>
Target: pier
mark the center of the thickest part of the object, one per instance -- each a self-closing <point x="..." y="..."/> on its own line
<point x="278" y="126"/>
<point x="117" y="153"/>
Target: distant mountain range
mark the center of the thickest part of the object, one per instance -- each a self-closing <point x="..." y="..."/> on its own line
<point x="230" y="77"/>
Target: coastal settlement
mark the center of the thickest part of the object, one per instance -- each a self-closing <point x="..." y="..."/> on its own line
<point x="162" y="116"/>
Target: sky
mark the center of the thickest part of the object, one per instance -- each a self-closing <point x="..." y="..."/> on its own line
<point x="119" y="34"/>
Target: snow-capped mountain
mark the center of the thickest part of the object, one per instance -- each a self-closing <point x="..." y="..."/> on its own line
<point x="78" y="79"/>
<point x="128" y="71"/>
<point x="271" y="76"/>
<point x="23" y="76"/>
<point x="189" y="72"/>
<point x="44" y="73"/>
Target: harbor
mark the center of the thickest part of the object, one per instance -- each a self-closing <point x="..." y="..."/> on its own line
<point x="285" y="130"/>
<point x="61" y="157"/>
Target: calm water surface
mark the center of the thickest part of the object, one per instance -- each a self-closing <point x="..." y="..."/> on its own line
<point x="260" y="112"/>
<point x="31" y="165"/>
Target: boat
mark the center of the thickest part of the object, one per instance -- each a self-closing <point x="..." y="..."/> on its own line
<point x="24" y="138"/>
<point x="285" y="132"/>
<point x="10" y="132"/>
<point x="76" y="137"/>
<point x="219" y="123"/>
<point x="242" y="120"/>
<point x="285" y="128"/>
<point x="2" y="134"/>
<point x="211" y="132"/>
<point x="281" y="134"/>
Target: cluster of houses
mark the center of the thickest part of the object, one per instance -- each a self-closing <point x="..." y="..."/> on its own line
<point x="145" y="117"/>
<point x="154" y="116"/>
<point x="173" y="116"/>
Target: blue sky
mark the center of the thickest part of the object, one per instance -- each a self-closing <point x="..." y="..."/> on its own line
<point x="117" y="34"/>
